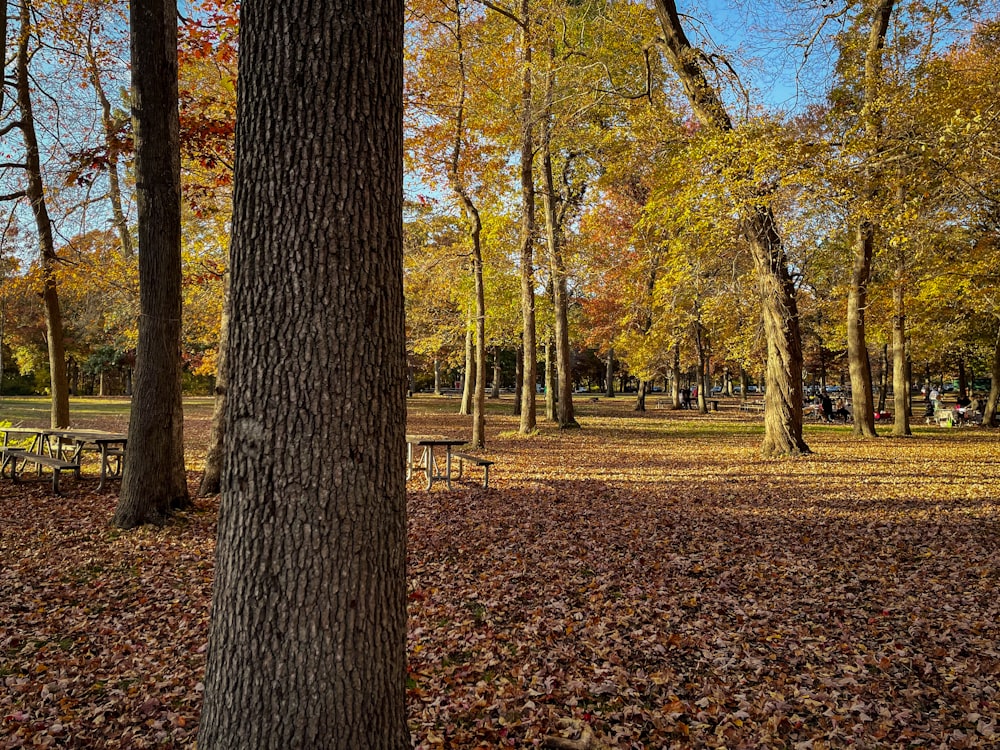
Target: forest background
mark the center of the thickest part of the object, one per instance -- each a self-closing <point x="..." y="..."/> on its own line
<point x="565" y="196"/>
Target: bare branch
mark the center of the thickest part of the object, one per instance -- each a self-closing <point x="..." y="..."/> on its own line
<point x="13" y="196"/>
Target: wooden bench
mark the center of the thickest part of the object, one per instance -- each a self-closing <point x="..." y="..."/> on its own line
<point x="752" y="406"/>
<point x="476" y="461"/>
<point x="56" y="464"/>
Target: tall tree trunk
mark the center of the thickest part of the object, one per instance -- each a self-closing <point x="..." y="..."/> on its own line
<point x="530" y="374"/>
<point x="437" y="376"/>
<point x="108" y="123"/>
<point x="963" y="383"/>
<point x="474" y="227"/>
<point x="783" y="399"/>
<point x="990" y="412"/>
<point x="555" y="212"/>
<point x="609" y="380"/>
<point x="469" y="381"/>
<point x="307" y="647"/>
<point x="35" y="190"/>
<point x="700" y="345"/>
<point x="857" y="297"/>
<point x="154" y="481"/>
<point x="900" y="379"/>
<point x="211" y="479"/>
<point x="858" y="361"/>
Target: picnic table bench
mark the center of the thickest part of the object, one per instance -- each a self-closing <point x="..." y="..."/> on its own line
<point x="476" y="461"/>
<point x="752" y="406"/>
<point x="11" y="457"/>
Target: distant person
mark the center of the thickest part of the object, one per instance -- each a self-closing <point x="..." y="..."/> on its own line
<point x="841" y="410"/>
<point x="827" y="407"/>
<point x="936" y="398"/>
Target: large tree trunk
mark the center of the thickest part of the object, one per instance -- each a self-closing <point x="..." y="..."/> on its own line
<point x="211" y="479"/>
<point x="307" y="647"/>
<point x="35" y="190"/>
<point x="154" y="481"/>
<point x="530" y="373"/>
<point x="783" y="399"/>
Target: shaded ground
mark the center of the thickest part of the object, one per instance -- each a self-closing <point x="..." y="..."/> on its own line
<point x="648" y="575"/>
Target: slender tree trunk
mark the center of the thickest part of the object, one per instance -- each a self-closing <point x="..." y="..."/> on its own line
<point x="518" y="379"/>
<point x="610" y="374"/>
<point x="557" y="268"/>
<point x="699" y="341"/>
<point x="783" y="398"/>
<point x="550" y="382"/>
<point x="474" y="223"/>
<point x="154" y="481"/>
<point x="58" y="383"/>
<point x="990" y="412"/>
<point x="469" y="384"/>
<point x="857" y="350"/>
<point x="857" y="298"/>
<point x="211" y="479"/>
<point x="675" y="377"/>
<point x="437" y="377"/>
<point x="108" y="123"/>
<point x="900" y="379"/>
<point x="307" y="647"/>
<point x="495" y="392"/>
<point x="963" y="382"/>
<point x="530" y="375"/>
<point x="744" y="384"/>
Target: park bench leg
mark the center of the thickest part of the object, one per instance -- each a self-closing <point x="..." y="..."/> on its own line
<point x="486" y="476"/>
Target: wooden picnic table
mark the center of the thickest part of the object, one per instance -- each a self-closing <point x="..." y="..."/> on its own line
<point x="426" y="462"/>
<point x="61" y="450"/>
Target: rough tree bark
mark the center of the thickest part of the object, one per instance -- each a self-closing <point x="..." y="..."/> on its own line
<point x="308" y="635"/>
<point x="154" y="481"/>
<point x="783" y="398"/>
<point x="35" y="190"/>
<point x="495" y="389"/>
<point x="551" y="382"/>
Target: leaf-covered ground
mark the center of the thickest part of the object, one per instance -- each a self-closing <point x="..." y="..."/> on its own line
<point x="647" y="576"/>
